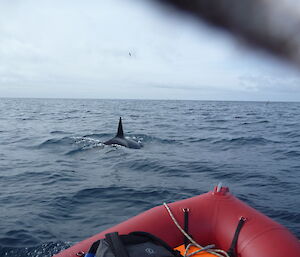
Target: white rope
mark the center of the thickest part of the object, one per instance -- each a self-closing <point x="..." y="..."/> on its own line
<point x="197" y="251"/>
<point x="217" y="252"/>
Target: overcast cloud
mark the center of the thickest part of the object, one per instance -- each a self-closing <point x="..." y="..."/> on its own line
<point x="80" y="49"/>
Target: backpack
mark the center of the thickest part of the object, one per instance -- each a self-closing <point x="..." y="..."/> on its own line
<point x="135" y="244"/>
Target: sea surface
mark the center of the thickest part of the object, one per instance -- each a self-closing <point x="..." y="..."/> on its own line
<point x="59" y="184"/>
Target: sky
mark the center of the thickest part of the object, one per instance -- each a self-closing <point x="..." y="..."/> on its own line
<point x="130" y="49"/>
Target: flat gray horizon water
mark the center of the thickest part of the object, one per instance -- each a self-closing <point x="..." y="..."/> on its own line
<point x="60" y="184"/>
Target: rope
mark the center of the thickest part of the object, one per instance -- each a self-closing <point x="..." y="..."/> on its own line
<point x="217" y="252"/>
<point x="198" y="251"/>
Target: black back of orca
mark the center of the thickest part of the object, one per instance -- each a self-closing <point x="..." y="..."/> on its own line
<point x="120" y="139"/>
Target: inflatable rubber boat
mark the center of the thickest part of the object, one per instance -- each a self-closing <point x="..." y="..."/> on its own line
<point x="216" y="217"/>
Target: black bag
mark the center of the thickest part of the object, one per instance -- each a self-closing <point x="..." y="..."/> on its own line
<point x="135" y="244"/>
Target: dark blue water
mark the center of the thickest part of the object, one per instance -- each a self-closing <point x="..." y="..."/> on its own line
<point x="59" y="184"/>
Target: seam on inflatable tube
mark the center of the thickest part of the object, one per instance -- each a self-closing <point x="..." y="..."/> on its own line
<point x="215" y="219"/>
<point x="259" y="235"/>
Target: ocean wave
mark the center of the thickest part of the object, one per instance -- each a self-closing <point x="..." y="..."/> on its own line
<point x="70" y="145"/>
<point x="199" y="139"/>
<point x="19" y="237"/>
<point x="42" y="250"/>
<point x="90" y="206"/>
<point x="290" y="134"/>
<point x="56" y="142"/>
<point x="244" y="141"/>
<point x="285" y="153"/>
<point x="60" y="132"/>
<point x="256" y="122"/>
<point x="157" y="140"/>
<point x="148" y="197"/>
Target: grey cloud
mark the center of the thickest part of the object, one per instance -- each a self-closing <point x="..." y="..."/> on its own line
<point x="263" y="83"/>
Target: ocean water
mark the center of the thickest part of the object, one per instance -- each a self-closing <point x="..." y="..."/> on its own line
<point x="59" y="184"/>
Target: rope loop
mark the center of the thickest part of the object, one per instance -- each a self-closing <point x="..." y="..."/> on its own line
<point x="208" y="248"/>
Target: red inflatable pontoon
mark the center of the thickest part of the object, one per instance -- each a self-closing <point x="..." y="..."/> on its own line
<point x="213" y="219"/>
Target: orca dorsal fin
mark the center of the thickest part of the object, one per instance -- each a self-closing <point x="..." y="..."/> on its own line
<point x="120" y="132"/>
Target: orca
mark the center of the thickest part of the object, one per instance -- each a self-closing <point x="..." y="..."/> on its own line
<point x="120" y="139"/>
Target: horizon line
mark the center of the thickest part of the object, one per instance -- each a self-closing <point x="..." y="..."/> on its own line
<point x="148" y="99"/>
